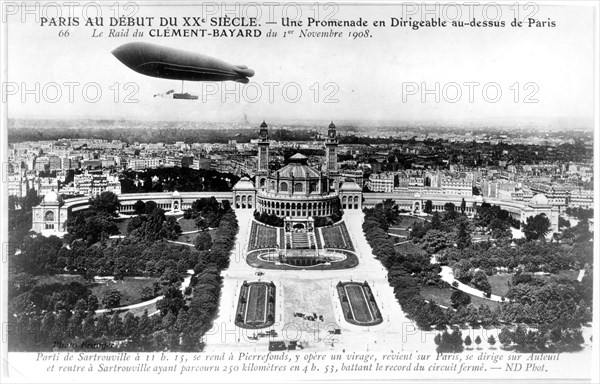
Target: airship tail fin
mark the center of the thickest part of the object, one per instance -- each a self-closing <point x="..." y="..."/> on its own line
<point x="243" y="80"/>
<point x="244" y="71"/>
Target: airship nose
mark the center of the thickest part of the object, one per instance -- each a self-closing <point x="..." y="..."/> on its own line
<point x="126" y="55"/>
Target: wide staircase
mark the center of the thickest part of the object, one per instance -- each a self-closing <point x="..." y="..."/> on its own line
<point x="300" y="240"/>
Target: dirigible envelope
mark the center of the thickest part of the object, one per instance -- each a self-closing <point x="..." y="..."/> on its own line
<point x="174" y="64"/>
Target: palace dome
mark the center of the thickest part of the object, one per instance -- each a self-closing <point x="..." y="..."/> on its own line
<point x="298" y="169"/>
<point x="243" y="185"/>
<point x="350" y="186"/>
<point x="539" y="199"/>
<point x="51" y="197"/>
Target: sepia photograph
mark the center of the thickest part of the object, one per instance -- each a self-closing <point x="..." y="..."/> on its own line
<point x="299" y="191"/>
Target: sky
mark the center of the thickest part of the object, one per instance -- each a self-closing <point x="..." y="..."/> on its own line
<point x="377" y="78"/>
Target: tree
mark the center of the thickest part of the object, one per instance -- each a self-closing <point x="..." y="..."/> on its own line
<point x="435" y="240"/>
<point x="106" y="202"/>
<point x="130" y="326"/>
<point x="112" y="299"/>
<point x="449" y="207"/>
<point x="92" y="303"/>
<point x="182" y="321"/>
<point x="485" y="315"/>
<point x="505" y="337"/>
<point x="146" y="293"/>
<point x="102" y="326"/>
<point x="463" y="206"/>
<point x="481" y="282"/>
<point x="150" y="206"/>
<point x="468" y="341"/>
<point x="391" y="211"/>
<point x="491" y="340"/>
<point x="203" y="241"/>
<point x="145" y="326"/>
<point x="536" y="227"/>
<point x="478" y="341"/>
<point x="463" y="237"/>
<point x="172" y="302"/>
<point x="450" y="342"/>
<point x="563" y="223"/>
<point x="115" y="327"/>
<point x="139" y="207"/>
<point x="201" y="223"/>
<point x="428" y="207"/>
<point x="168" y="320"/>
<point x="500" y="229"/>
<point x="459" y="298"/>
<point x="436" y="221"/>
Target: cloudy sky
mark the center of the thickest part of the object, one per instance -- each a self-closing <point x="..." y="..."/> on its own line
<point x="377" y="78"/>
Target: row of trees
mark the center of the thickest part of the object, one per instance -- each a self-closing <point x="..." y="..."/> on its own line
<point x="406" y="272"/>
<point x="86" y="331"/>
<point x="543" y="339"/>
<point x="521" y="339"/>
<point x="202" y="309"/>
<point x="565" y="316"/>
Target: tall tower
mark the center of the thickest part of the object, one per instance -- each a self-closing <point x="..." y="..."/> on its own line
<point x="331" y="162"/>
<point x="263" y="150"/>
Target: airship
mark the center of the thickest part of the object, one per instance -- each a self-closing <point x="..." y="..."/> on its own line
<point x="174" y="64"/>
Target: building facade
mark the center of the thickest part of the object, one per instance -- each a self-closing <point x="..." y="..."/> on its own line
<point x="297" y="190"/>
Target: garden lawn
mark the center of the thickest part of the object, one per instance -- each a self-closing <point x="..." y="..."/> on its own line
<point x="408" y="248"/>
<point x="499" y="283"/>
<point x="257" y="298"/>
<point x="407" y="221"/>
<point x="129" y="287"/>
<point x="357" y="299"/>
<point x="122" y="225"/>
<point x="262" y="236"/>
<point x="569" y="274"/>
<point x="191" y="237"/>
<point x="60" y="279"/>
<point x="336" y="236"/>
<point x="442" y="296"/>
<point x="187" y="225"/>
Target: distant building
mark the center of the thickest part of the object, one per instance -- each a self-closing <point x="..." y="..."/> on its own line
<point x="381" y="182"/>
<point x="16" y="185"/>
<point x="581" y="198"/>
